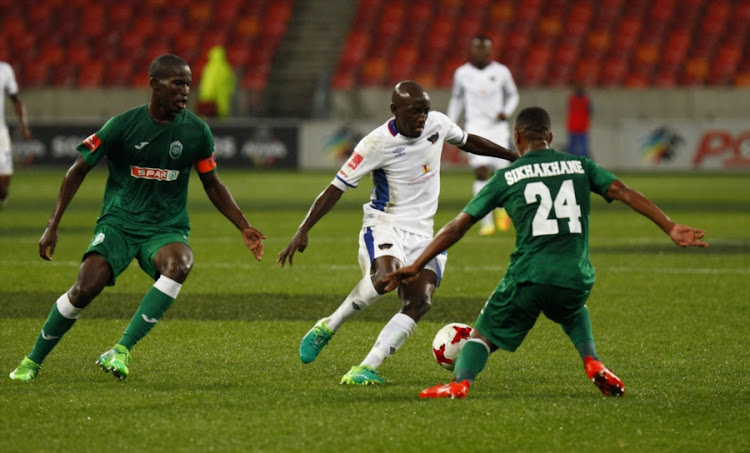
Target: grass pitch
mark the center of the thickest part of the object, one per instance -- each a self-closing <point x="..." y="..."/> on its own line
<point x="221" y="373"/>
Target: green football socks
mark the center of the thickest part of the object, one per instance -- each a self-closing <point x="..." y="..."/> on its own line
<point x="53" y="329"/>
<point x="471" y="361"/>
<point x="581" y="334"/>
<point x="153" y="306"/>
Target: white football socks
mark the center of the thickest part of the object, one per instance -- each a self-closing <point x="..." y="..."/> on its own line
<point x="361" y="297"/>
<point x="392" y="337"/>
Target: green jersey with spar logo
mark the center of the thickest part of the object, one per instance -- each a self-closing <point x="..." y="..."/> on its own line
<point x="149" y="167"/>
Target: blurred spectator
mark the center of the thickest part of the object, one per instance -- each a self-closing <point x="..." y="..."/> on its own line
<point x="217" y="86"/>
<point x="9" y="86"/>
<point x="579" y="121"/>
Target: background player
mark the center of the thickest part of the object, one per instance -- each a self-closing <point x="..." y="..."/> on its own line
<point x="9" y="86"/>
<point x="549" y="271"/>
<point x="403" y="157"/>
<point x="150" y="151"/>
<point x="484" y="91"/>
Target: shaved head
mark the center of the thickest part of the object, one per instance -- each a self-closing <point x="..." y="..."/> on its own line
<point x="408" y="91"/>
<point x="410" y="104"/>
<point x="165" y="66"/>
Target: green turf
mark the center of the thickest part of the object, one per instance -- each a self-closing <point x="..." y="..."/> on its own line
<point x="221" y="373"/>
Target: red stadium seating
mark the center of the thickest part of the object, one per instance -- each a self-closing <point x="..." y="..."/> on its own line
<point x="630" y="43"/>
<point x="91" y="75"/>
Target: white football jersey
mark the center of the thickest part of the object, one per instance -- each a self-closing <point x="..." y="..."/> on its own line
<point x="405" y="173"/>
<point x="8" y="86"/>
<point x="480" y="94"/>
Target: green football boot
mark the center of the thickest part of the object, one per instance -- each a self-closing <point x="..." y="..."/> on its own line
<point x="26" y="370"/>
<point x="362" y="375"/>
<point x="314" y="341"/>
<point x="115" y="360"/>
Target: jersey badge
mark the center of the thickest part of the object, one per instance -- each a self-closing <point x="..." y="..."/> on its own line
<point x="433" y="138"/>
<point x="175" y="149"/>
<point x="92" y="142"/>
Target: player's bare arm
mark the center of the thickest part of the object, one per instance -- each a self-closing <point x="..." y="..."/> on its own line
<point x="451" y="233"/>
<point x="22" y="117"/>
<point x="483" y="147"/>
<point x="320" y="207"/>
<point x="682" y="235"/>
<point x="221" y="198"/>
<point x="71" y="182"/>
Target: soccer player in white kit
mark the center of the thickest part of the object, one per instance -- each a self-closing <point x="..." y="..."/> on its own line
<point x="403" y="157"/>
<point x="9" y="86"/>
<point x="484" y="91"/>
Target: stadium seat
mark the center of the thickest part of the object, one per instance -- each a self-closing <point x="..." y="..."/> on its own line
<point x="119" y="73"/>
<point x="587" y="71"/>
<point x="247" y="26"/>
<point x="200" y="13"/>
<point x="598" y="42"/>
<point x="374" y="71"/>
<point x="420" y="12"/>
<point x="119" y="15"/>
<point x="64" y="76"/>
<point x="79" y="52"/>
<point x="92" y="20"/>
<point x="501" y="12"/>
<point x="647" y="54"/>
<point x="53" y="54"/>
<point x="240" y="53"/>
<point x="91" y="75"/>
<point x="23" y="46"/>
<point x="742" y="79"/>
<point x="343" y="80"/>
<point x="35" y="75"/>
<point x="696" y="72"/>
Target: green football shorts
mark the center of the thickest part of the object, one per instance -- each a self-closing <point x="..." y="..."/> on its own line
<point x="119" y="247"/>
<point x="513" y="308"/>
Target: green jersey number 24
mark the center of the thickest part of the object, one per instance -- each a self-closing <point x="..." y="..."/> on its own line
<point x="547" y="215"/>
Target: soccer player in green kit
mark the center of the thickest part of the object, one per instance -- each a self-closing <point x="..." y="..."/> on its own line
<point x="150" y="151"/>
<point x="547" y="195"/>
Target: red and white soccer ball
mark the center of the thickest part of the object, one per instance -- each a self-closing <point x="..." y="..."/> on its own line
<point x="448" y="343"/>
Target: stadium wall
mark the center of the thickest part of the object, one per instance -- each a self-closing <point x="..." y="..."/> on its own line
<point x="677" y="130"/>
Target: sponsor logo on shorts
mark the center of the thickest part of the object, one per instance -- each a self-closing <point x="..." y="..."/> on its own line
<point x="98" y="239"/>
<point x="158" y="174"/>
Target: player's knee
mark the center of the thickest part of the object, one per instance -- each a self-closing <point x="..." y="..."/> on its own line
<point x="178" y="268"/>
<point x="416" y="307"/>
<point x="83" y="292"/>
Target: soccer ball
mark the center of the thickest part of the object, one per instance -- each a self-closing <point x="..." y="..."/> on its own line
<point x="448" y="342"/>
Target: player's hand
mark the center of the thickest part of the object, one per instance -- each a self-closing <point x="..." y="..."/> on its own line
<point x="686" y="236"/>
<point x="404" y="275"/>
<point x="254" y="241"/>
<point x="297" y="244"/>
<point x="47" y="243"/>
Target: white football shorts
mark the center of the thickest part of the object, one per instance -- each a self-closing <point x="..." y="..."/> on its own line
<point x="386" y="240"/>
